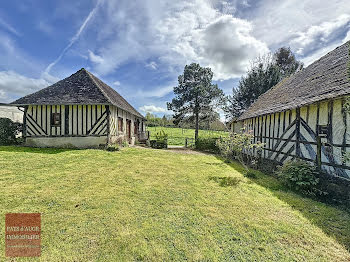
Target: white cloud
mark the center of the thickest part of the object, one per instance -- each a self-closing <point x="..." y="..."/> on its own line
<point x="13" y="84"/>
<point x="95" y="58"/>
<point x="310" y="28"/>
<point x="3" y="96"/>
<point x="317" y="36"/>
<point x="229" y="46"/>
<point x="175" y="33"/>
<point x="116" y="83"/>
<point x="152" y="65"/>
<point x="153" y="109"/>
<point x="156" y="93"/>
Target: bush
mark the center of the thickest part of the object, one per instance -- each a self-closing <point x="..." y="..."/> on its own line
<point x="112" y="148"/>
<point x="9" y="131"/>
<point x="250" y="174"/>
<point x="161" y="140"/>
<point x="300" y="176"/>
<point x="159" y="144"/>
<point x="240" y="147"/>
<point x="207" y="144"/>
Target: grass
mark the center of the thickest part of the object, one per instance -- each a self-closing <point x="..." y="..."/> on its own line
<point x="157" y="205"/>
<point x="177" y="136"/>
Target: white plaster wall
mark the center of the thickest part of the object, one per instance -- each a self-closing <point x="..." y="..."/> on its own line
<point x="66" y="142"/>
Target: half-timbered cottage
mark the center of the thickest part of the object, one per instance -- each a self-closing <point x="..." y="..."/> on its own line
<point x="304" y="117"/>
<point x="79" y="111"/>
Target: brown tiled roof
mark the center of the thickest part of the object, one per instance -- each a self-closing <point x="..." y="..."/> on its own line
<point x="80" y="88"/>
<point x="324" y="79"/>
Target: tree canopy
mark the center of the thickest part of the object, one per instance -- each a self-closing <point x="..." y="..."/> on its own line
<point x="196" y="97"/>
<point x="153" y="120"/>
<point x="265" y="72"/>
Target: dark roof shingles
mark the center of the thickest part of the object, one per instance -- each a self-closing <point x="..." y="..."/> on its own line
<point x="81" y="87"/>
<point x="324" y="79"/>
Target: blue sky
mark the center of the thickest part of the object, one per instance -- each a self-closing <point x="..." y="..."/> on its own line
<point x="140" y="47"/>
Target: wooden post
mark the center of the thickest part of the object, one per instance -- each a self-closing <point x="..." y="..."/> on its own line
<point x="186" y="142"/>
<point x="108" y="124"/>
<point x="66" y="120"/>
<point x="297" y="132"/>
<point x="24" y="134"/>
<point x="319" y="153"/>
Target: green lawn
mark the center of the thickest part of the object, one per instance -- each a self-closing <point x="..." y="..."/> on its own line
<point x="155" y="205"/>
<point x="176" y="136"/>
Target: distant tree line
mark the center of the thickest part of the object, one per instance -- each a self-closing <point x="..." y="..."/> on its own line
<point x="213" y="123"/>
<point x="153" y="120"/>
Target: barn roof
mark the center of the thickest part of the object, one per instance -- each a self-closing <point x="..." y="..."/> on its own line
<point x="81" y="87"/>
<point x="324" y="79"/>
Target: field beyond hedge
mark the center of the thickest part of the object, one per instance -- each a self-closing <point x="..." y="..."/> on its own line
<point x="158" y="205"/>
<point x="177" y="136"/>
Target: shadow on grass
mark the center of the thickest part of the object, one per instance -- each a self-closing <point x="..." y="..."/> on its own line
<point x="333" y="220"/>
<point x="226" y="181"/>
<point x="23" y="149"/>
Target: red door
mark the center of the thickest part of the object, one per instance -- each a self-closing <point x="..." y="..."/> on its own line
<point x="128" y="129"/>
<point x="136" y="128"/>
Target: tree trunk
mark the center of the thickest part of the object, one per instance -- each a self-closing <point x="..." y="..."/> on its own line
<point x="197" y="127"/>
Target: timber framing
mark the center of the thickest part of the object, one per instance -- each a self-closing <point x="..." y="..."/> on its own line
<point x="303" y="117"/>
<point x="79" y="106"/>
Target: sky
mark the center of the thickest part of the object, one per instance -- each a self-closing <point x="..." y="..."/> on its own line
<point x="140" y="47"/>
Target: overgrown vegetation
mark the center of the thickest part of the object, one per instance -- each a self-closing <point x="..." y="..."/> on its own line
<point x="300" y="176"/>
<point x="240" y="146"/>
<point x="207" y="143"/>
<point x="9" y="131"/>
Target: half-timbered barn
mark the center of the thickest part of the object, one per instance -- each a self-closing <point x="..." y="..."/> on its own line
<point x="79" y="111"/>
<point x="304" y="117"/>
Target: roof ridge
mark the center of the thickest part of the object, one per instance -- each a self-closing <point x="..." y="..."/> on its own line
<point x="97" y="85"/>
<point x="100" y="87"/>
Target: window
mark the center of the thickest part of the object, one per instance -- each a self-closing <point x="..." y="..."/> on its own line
<point x="56" y="119"/>
<point x="120" y="124"/>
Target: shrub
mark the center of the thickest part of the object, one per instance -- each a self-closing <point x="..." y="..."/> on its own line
<point x="300" y="176"/>
<point x="112" y="148"/>
<point x="207" y="144"/>
<point x="161" y="135"/>
<point x="9" y="131"/>
<point x="240" y="147"/>
<point x="160" y="141"/>
<point x="250" y="174"/>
